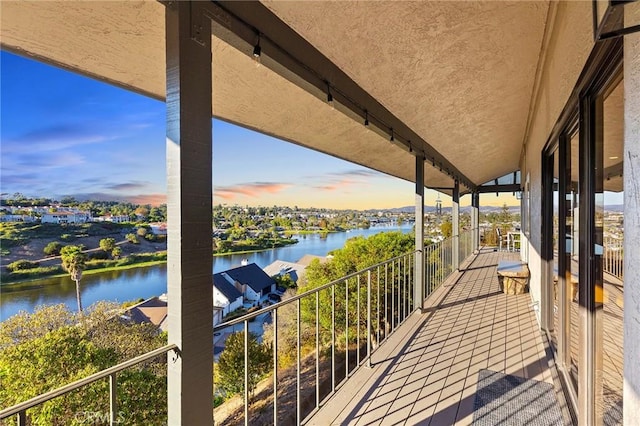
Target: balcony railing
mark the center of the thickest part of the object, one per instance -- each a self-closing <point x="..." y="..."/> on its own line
<point x="336" y="329"/>
<point x="20" y="410"/>
<point x="466" y="244"/>
<point x="613" y="257"/>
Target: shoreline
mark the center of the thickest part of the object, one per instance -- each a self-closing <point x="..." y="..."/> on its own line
<point x="94" y="271"/>
<point x="7" y="285"/>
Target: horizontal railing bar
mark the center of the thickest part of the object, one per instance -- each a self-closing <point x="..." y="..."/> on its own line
<point x="40" y="399"/>
<point x="264" y="310"/>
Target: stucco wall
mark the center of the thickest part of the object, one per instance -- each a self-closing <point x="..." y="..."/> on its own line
<point x="631" y="388"/>
<point x="567" y="44"/>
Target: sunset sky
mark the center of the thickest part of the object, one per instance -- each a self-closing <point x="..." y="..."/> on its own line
<point x="64" y="134"/>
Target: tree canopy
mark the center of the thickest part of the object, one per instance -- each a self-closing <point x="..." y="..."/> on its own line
<point x="231" y="364"/>
<point x="74" y="261"/>
<point x="107" y="244"/>
<point x="358" y="253"/>
<point x="54" y="346"/>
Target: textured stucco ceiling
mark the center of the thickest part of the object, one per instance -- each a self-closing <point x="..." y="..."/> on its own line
<point x="458" y="74"/>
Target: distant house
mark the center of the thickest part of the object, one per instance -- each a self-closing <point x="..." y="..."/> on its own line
<point x="225" y="294"/>
<point x="153" y="311"/>
<point x="217" y="315"/>
<point x="282" y="268"/>
<point x="16" y="218"/>
<point x="65" y="216"/>
<point x="122" y="218"/>
<point x="158" y="228"/>
<point x="251" y="281"/>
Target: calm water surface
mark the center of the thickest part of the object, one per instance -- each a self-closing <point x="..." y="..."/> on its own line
<point x="138" y="283"/>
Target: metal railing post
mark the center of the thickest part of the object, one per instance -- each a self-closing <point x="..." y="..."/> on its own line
<point x="358" y="322"/>
<point x="346" y="328"/>
<point x="393" y="297"/>
<point x="113" y="403"/>
<point x="386" y="300"/>
<point x="298" y="384"/>
<point x="317" y="349"/>
<point x="378" y="307"/>
<point x="369" y="318"/>
<point x="246" y="372"/>
<point x="399" y="293"/>
<point x="275" y="367"/>
<point x="333" y="339"/>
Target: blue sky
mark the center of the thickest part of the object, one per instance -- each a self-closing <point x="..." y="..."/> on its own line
<point x="64" y="134"/>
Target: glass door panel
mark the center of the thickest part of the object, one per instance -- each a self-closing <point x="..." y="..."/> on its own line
<point x="571" y="258"/>
<point x="610" y="225"/>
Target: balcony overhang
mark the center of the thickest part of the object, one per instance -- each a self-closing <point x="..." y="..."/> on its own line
<point x="449" y="81"/>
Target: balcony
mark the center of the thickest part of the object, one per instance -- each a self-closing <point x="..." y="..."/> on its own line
<point x="428" y="373"/>
<point x="389" y="360"/>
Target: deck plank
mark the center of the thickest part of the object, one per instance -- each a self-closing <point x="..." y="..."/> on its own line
<point x="428" y="373"/>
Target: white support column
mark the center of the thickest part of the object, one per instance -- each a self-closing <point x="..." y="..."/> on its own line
<point x="419" y="269"/>
<point x="189" y="200"/>
<point x="455" y="225"/>
<point x="631" y="392"/>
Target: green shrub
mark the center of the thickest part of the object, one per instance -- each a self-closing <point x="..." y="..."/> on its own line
<point x="53" y="248"/>
<point x="21" y="265"/>
<point x="21" y="275"/>
<point x="132" y="238"/>
<point x="116" y="252"/>
<point x="67" y="237"/>
<point x="99" y="255"/>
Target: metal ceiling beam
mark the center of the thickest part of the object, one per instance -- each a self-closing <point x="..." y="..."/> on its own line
<point x="242" y="24"/>
<point x="512" y="187"/>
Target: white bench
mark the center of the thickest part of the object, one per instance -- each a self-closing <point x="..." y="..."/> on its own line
<point x="513" y="276"/>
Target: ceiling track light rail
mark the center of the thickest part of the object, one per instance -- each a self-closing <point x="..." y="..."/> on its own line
<point x="300" y="62"/>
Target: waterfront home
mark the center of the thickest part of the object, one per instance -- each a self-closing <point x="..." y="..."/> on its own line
<point x="225" y="295"/>
<point x="66" y="216"/>
<point x="16" y="218"/>
<point x="121" y="218"/>
<point x="152" y="310"/>
<point x="251" y="281"/>
<point x="282" y="268"/>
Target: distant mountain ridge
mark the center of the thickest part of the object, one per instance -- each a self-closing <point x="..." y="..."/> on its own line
<point x="466" y="209"/>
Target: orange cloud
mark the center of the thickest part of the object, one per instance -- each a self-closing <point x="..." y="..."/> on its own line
<point x="341" y="184"/>
<point x="254" y="189"/>
<point x="152" y="199"/>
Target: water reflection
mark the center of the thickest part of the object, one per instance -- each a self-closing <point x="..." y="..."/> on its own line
<point x="151" y="281"/>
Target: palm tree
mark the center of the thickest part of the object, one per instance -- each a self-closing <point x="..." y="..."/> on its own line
<point x="74" y="262"/>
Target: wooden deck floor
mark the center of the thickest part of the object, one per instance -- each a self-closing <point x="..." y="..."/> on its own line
<point x="427" y="372"/>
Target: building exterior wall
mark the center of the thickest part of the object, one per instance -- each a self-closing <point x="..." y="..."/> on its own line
<point x="65" y="217"/>
<point x="220" y="300"/>
<point x="631" y="385"/>
<point x="251" y="295"/>
<point x="566" y="47"/>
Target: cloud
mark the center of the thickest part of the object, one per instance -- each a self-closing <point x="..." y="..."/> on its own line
<point x="338" y="185"/>
<point x="356" y="173"/>
<point x="53" y="138"/>
<point x="128" y="186"/>
<point x="47" y="160"/>
<point x="152" y="199"/>
<point x="337" y="181"/>
<point x="252" y="189"/>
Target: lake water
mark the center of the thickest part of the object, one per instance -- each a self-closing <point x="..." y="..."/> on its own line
<point x="138" y="283"/>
